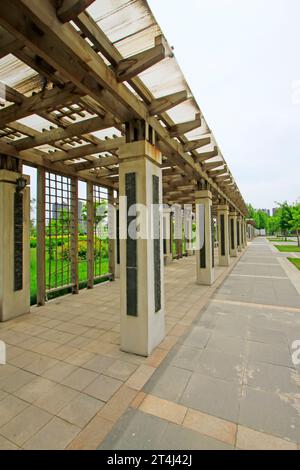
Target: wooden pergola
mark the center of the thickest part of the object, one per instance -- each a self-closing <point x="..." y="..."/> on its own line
<point x="83" y="78"/>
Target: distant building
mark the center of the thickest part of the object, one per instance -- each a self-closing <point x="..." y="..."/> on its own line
<point x="57" y="208"/>
<point x="266" y="211"/>
<point x="274" y="210"/>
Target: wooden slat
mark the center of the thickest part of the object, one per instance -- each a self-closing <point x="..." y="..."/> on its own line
<point x="111" y="231"/>
<point x="74" y="235"/>
<point x="90" y="236"/>
<point x="39" y="102"/>
<point x="101" y="162"/>
<point x="84" y="150"/>
<point x="40" y="228"/>
<point x="78" y="128"/>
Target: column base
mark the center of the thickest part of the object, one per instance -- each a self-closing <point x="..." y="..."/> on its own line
<point x="168" y="259"/>
<point x="206" y="277"/>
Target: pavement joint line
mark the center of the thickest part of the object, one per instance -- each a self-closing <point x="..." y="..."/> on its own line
<point x="255" y="275"/>
<point x="252" y="304"/>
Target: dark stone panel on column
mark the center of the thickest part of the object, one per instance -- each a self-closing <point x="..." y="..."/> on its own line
<point x="238" y="233"/>
<point x="203" y="249"/>
<point x="232" y="238"/>
<point x="222" y="230"/>
<point x="156" y="241"/>
<point x="118" y="235"/>
<point x="131" y="247"/>
<point x="18" y="241"/>
<point x="212" y="238"/>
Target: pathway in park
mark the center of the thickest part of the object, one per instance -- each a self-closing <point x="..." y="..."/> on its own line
<point x="230" y="381"/>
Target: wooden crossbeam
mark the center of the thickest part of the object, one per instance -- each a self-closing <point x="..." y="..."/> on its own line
<point x="196" y="144"/>
<point x="100" y="162"/>
<point x="212" y="165"/>
<point x="90" y="149"/>
<point x="180" y="129"/>
<point x="78" y="128"/>
<point x="214" y="173"/>
<point x="39" y="102"/>
<point x="8" y="44"/>
<point x="203" y="156"/>
<point x="132" y="66"/>
<point x="165" y="103"/>
<point x="70" y="9"/>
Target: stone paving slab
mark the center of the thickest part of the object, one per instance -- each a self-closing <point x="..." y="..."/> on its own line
<point x="233" y="365"/>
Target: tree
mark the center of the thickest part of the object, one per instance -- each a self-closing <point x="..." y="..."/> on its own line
<point x="295" y="221"/>
<point x="285" y="217"/>
<point x="100" y="213"/>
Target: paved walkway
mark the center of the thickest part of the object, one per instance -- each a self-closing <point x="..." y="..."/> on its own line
<point x="229" y="382"/>
<point x="66" y="382"/>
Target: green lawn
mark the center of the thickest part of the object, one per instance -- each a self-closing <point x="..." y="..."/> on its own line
<point x="288" y="248"/>
<point x="278" y="240"/>
<point x="56" y="277"/>
<point x="295" y="261"/>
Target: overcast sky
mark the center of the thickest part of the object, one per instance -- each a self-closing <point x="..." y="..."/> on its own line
<point x="241" y="59"/>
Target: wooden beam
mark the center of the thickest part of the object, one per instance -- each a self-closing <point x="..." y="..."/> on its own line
<point x="195" y="144"/>
<point x="161" y="105"/>
<point x="76" y="129"/>
<point x="70" y="9"/>
<point x="8" y="44"/>
<point x="101" y="162"/>
<point x="212" y="165"/>
<point x="90" y="149"/>
<point x="74" y="235"/>
<point x="180" y="129"/>
<point x="39" y="102"/>
<point x="214" y="173"/>
<point x="41" y="233"/>
<point x="90" y="235"/>
<point x="201" y="157"/>
<point x="132" y="66"/>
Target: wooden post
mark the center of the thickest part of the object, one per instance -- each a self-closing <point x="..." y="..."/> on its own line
<point x="90" y="235"/>
<point x="111" y="232"/>
<point x="74" y="235"/>
<point x="41" y="234"/>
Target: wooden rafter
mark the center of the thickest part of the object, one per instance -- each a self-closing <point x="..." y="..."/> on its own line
<point x="165" y="103"/>
<point x="84" y="150"/>
<point x="133" y="65"/>
<point x="70" y="9"/>
<point x="39" y="102"/>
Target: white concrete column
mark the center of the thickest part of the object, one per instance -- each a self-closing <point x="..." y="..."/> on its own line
<point x="168" y="258"/>
<point x="233" y="234"/>
<point x="141" y="254"/>
<point x="205" y="243"/>
<point x="14" y="245"/>
<point x="223" y="234"/>
<point x="239" y="233"/>
<point x="244" y="233"/>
